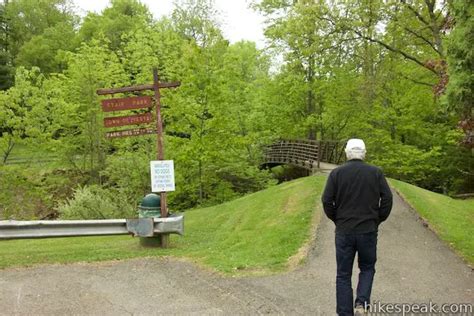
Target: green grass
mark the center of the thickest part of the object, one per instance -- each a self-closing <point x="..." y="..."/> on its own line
<point x="452" y="220"/>
<point x="31" y="156"/>
<point x="253" y="234"/>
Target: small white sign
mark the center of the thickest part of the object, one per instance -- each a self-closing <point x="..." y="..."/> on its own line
<point x="162" y="175"/>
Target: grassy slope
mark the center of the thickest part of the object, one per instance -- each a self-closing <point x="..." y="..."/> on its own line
<point x="253" y="234"/>
<point x="452" y="220"/>
<point x="25" y="155"/>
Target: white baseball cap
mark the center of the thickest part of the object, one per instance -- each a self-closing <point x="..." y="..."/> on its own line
<point x="355" y="143"/>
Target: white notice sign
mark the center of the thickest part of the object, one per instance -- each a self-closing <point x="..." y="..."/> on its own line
<point x="162" y="175"/>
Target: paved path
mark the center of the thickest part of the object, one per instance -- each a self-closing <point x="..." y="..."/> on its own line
<point x="325" y="167"/>
<point x="413" y="266"/>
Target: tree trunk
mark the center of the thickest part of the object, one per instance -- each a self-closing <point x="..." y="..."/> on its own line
<point x="310" y="106"/>
<point x="8" y="150"/>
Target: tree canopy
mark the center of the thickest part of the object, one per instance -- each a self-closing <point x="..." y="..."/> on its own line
<point x="397" y="74"/>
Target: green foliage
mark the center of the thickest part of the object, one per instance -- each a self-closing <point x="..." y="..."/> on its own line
<point x="361" y="69"/>
<point x="93" y="66"/>
<point x="46" y="51"/>
<point x="460" y="94"/>
<point x="156" y="45"/>
<point x="18" y="107"/>
<point x="410" y="163"/>
<point x="129" y="171"/>
<point x="6" y="69"/>
<point x="461" y="58"/>
<point x="369" y="70"/>
<point x="32" y="191"/>
<point x="21" y="196"/>
<point x="121" y="18"/>
<point x="196" y="21"/>
<point x="38" y="21"/>
<point x="95" y="202"/>
<point x="6" y="79"/>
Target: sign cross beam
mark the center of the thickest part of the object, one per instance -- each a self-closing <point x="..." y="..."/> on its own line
<point x="142" y="87"/>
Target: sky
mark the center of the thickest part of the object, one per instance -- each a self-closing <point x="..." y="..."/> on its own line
<point x="238" y="20"/>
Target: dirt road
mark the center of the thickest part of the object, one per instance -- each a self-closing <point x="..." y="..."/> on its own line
<point x="414" y="266"/>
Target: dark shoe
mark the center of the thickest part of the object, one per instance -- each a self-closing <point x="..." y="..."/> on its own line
<point x="359" y="310"/>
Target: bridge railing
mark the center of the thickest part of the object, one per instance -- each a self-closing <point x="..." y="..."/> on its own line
<point x="332" y="152"/>
<point x="304" y="153"/>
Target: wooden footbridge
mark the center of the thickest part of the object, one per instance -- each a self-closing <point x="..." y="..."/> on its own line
<point x="308" y="154"/>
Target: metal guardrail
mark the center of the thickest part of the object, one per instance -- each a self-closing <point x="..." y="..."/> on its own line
<point x="143" y="227"/>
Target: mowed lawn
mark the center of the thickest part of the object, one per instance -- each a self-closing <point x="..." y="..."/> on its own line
<point x="451" y="219"/>
<point x="253" y="234"/>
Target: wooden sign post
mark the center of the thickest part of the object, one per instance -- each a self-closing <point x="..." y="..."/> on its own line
<point x="120" y="104"/>
<point x="159" y="145"/>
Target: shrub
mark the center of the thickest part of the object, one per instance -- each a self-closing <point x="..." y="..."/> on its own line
<point x="95" y="202"/>
<point x="22" y="195"/>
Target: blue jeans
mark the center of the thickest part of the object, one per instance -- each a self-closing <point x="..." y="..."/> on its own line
<point x="347" y="244"/>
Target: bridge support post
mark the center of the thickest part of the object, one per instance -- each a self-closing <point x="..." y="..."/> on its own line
<point x="319" y="153"/>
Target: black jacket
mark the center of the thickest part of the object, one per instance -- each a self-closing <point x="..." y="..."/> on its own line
<point x="357" y="197"/>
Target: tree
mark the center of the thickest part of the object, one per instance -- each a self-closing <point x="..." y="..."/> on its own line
<point x="26" y="20"/>
<point x="205" y="44"/>
<point x="6" y="70"/>
<point x="460" y="64"/>
<point x="6" y="79"/>
<point x="48" y="50"/>
<point x="415" y="30"/>
<point x="117" y="20"/>
<point x="374" y="70"/>
<point x="92" y="67"/>
<point x="305" y="40"/>
<point x="196" y="21"/>
<point x="16" y="105"/>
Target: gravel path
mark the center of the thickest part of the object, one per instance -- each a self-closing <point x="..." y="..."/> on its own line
<point x="413" y="266"/>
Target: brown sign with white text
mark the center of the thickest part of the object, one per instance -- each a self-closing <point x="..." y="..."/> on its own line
<point x="128" y="120"/>
<point x="120" y="104"/>
<point x="130" y="132"/>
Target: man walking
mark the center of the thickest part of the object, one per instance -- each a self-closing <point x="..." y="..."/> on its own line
<point x="357" y="199"/>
